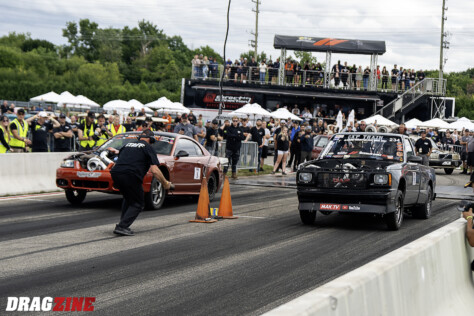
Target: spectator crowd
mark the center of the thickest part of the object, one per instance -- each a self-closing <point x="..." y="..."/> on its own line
<point x="343" y="75"/>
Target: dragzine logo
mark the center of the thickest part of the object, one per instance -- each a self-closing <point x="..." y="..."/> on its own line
<point x="135" y="145"/>
<point x="47" y="304"/>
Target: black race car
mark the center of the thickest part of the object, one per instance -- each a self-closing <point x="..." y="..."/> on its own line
<point x="366" y="173"/>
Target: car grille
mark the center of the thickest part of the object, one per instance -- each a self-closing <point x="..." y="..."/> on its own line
<point x="445" y="156"/>
<point x="342" y="180"/>
<point x="90" y="184"/>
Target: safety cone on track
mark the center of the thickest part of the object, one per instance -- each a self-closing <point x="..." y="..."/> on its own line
<point x="225" y="206"/>
<point x="202" y="213"/>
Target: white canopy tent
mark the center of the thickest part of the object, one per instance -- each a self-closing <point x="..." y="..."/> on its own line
<point x="413" y="123"/>
<point x="461" y="124"/>
<point x="51" y="97"/>
<point x="284" y="114"/>
<point x="435" y="123"/>
<point x="379" y="120"/>
<point x="165" y="105"/>
<point x="86" y="101"/>
<point x="118" y="105"/>
<point x="251" y="109"/>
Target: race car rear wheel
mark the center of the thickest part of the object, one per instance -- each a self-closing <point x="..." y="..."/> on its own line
<point x="307" y="217"/>
<point x="326" y="212"/>
<point x="424" y="211"/>
<point x="448" y="170"/>
<point x="212" y="186"/>
<point x="394" y="219"/>
<point x="156" y="197"/>
<point x="75" y="197"/>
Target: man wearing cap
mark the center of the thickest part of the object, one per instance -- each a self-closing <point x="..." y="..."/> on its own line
<point x="234" y="135"/>
<point x="18" y="133"/>
<point x="212" y="135"/>
<point x="87" y="131"/>
<point x="135" y="159"/>
<point x="184" y="128"/>
<point x="423" y="148"/>
<point x="40" y="128"/>
<point x="62" y="135"/>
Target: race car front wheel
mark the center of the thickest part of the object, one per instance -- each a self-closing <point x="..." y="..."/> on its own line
<point x="394" y="219"/>
<point x="156" y="197"/>
<point x="75" y="197"/>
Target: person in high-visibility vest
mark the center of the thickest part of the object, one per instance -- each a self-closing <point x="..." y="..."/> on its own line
<point x="116" y="127"/>
<point x="18" y="133"/>
<point x="102" y="132"/>
<point x="4" y="134"/>
<point x="87" y="132"/>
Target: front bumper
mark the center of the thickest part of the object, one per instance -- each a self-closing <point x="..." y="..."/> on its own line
<point x="440" y="163"/>
<point x="342" y="201"/>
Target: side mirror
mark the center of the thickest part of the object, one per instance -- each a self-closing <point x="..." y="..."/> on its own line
<point x="415" y="159"/>
<point x="182" y="153"/>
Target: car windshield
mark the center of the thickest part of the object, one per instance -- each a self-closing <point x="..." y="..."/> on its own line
<point x="321" y="141"/>
<point x="364" y="146"/>
<point x="162" y="145"/>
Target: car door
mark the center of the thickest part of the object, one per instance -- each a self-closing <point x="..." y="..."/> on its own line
<point x="412" y="175"/>
<point x="186" y="170"/>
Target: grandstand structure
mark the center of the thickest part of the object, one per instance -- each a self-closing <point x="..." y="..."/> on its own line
<point x="421" y="101"/>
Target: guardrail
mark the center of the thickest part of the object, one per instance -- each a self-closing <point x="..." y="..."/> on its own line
<point x="430" y="276"/>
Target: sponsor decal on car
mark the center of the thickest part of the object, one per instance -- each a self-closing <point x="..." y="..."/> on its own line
<point x="330" y="207"/>
<point x="351" y="208"/>
<point x="446" y="163"/>
<point x="84" y="174"/>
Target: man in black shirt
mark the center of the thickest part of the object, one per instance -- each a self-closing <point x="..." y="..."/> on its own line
<point x="233" y="136"/>
<point x="40" y="128"/>
<point x="191" y="118"/>
<point x="4" y="108"/>
<point x="423" y="148"/>
<point x="62" y="135"/>
<point x="135" y="159"/>
<point x="256" y="135"/>
<point x="212" y="135"/>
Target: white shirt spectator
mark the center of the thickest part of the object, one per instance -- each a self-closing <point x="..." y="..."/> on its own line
<point x="265" y="139"/>
<point x="307" y="115"/>
<point x="263" y="68"/>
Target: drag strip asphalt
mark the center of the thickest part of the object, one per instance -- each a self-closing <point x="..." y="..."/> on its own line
<point x="172" y="267"/>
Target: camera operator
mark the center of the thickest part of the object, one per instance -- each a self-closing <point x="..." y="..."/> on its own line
<point x="102" y="133"/>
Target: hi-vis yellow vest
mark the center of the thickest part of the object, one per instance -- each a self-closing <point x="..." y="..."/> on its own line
<point x="3" y="149"/>
<point x="88" y="133"/>
<point x="102" y="139"/>
<point x="120" y="130"/>
<point x="22" y="132"/>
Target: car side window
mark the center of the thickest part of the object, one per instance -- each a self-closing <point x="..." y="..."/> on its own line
<point x="187" y="146"/>
<point x="323" y="141"/>
<point x="409" y="148"/>
<point x="197" y="149"/>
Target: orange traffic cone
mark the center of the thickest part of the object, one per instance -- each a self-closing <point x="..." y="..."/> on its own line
<point x="202" y="213"/>
<point x="225" y="206"/>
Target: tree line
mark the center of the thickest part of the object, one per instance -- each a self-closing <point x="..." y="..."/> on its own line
<point x="130" y="63"/>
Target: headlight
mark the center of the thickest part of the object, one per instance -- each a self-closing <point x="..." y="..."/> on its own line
<point x="434" y="156"/>
<point x="381" y="179"/>
<point x="67" y="164"/>
<point x="456" y="157"/>
<point x="305" y="177"/>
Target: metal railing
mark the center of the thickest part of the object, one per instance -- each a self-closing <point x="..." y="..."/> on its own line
<point x="407" y="98"/>
<point x="248" y="158"/>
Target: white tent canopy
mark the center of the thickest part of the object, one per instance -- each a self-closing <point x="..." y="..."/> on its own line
<point x="51" y="96"/>
<point x="119" y="105"/>
<point x="435" y="123"/>
<point x="82" y="100"/>
<point x="165" y="105"/>
<point x="379" y="120"/>
<point x="413" y="123"/>
<point x="251" y="109"/>
<point x="136" y="104"/>
<point x="284" y="114"/>
<point x="461" y="124"/>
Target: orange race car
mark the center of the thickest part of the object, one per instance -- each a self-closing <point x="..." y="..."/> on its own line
<point x="183" y="161"/>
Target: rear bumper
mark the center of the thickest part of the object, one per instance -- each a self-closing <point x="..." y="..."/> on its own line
<point x="377" y="202"/>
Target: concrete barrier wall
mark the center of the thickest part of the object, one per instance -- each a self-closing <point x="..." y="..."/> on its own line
<point x="29" y="172"/>
<point x="430" y="276"/>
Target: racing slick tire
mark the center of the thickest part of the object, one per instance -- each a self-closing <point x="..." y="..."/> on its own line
<point x="325" y="212"/>
<point x="212" y="186"/>
<point x="394" y="220"/>
<point x="307" y="217"/>
<point x="448" y="170"/>
<point x="424" y="211"/>
<point x="156" y="197"/>
<point x="75" y="197"/>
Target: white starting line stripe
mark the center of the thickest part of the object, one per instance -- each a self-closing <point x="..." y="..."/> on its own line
<point x="30" y="197"/>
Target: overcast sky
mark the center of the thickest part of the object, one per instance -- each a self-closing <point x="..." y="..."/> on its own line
<point x="411" y="28"/>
